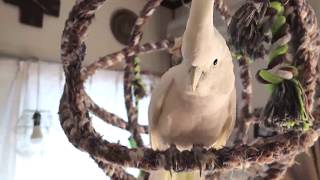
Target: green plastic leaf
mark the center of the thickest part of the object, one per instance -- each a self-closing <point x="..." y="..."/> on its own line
<point x="132" y="143"/>
<point x="306" y="126"/>
<point x="279" y="51"/>
<point x="290" y="124"/>
<point x="136" y="59"/>
<point x="237" y="55"/>
<point x="269" y="77"/>
<point x="270" y="87"/>
<point x="279" y="22"/>
<point x="277" y="6"/>
<point x="137" y="69"/>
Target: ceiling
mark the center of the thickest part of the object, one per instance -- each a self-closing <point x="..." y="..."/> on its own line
<point x="21" y="40"/>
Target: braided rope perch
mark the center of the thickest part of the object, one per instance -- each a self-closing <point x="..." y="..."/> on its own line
<point x="75" y="104"/>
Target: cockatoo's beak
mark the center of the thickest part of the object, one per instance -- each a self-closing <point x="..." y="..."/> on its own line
<point x="196" y="74"/>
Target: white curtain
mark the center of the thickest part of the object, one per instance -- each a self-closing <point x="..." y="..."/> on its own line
<point x="58" y="159"/>
<point x="12" y="89"/>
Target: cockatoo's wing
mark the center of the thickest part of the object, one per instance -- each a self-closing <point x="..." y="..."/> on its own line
<point x="229" y="124"/>
<point x="158" y="97"/>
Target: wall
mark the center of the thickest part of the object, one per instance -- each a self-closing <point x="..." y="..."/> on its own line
<point x="44" y="43"/>
<point x="315" y="4"/>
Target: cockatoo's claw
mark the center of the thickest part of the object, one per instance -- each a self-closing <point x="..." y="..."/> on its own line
<point x="258" y="140"/>
<point x="238" y="143"/>
<point x="197" y="150"/>
<point x="174" y="157"/>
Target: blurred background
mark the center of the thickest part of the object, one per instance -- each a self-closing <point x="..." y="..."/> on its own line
<point x="32" y="143"/>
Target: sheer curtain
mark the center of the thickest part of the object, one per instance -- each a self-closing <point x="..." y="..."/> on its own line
<point x="13" y="78"/>
<point x="58" y="159"/>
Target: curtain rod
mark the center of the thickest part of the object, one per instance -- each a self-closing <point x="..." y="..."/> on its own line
<point x="26" y="58"/>
<point x="35" y="59"/>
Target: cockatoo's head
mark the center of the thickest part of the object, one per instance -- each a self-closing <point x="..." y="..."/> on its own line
<point x="204" y="50"/>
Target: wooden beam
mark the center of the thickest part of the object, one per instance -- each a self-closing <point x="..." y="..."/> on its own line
<point x="13" y="2"/>
<point x="31" y="11"/>
<point x="173" y="4"/>
<point x="50" y="7"/>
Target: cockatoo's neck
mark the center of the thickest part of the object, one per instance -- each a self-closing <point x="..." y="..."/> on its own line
<point x="201" y="15"/>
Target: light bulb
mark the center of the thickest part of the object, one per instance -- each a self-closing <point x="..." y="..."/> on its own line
<point x="36" y="135"/>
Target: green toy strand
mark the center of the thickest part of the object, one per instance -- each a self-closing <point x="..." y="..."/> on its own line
<point x="132" y="142"/>
<point x="277" y="6"/>
<point x="303" y="112"/>
<point x="281" y="50"/>
<point x="280" y="21"/>
<point x="278" y="52"/>
<point x="139" y="88"/>
<point x="270" y="77"/>
<point x="304" y="120"/>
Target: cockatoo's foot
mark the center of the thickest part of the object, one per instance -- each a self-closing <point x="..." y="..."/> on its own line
<point x="174" y="158"/>
<point x="198" y="150"/>
<point x="258" y="140"/>
<point x="237" y="144"/>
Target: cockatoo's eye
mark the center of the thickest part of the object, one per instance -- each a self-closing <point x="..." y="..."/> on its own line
<point x="215" y="62"/>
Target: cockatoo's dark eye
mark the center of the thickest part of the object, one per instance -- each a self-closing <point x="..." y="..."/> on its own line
<point x="215" y="62"/>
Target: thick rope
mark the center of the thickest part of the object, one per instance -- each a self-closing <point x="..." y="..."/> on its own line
<point x="118" y="57"/>
<point x="111" y="118"/>
<point x="246" y="117"/>
<point x="129" y="75"/>
<point x="75" y="120"/>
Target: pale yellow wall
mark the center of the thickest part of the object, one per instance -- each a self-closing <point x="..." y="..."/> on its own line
<point x="44" y="43"/>
<point x="21" y="40"/>
<point x="316" y="6"/>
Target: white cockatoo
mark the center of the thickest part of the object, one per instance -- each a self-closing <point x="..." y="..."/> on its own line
<point x="195" y="102"/>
